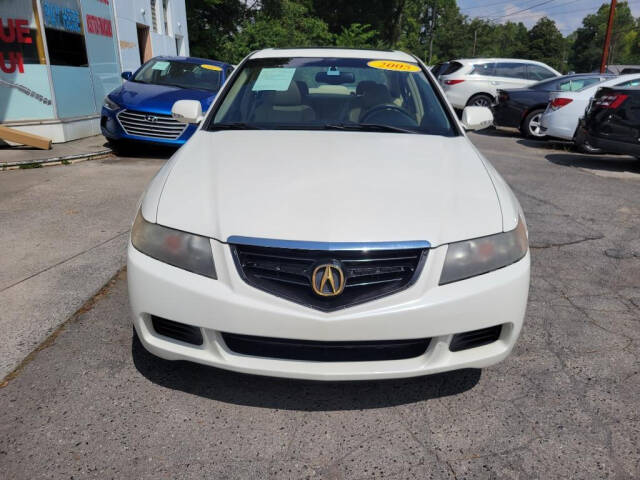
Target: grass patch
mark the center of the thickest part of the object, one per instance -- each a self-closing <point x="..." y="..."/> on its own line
<point x="27" y="166"/>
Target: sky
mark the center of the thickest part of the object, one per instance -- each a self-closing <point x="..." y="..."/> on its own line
<point x="567" y="14"/>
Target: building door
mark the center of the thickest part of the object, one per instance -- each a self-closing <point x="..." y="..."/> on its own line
<point x="144" y="43"/>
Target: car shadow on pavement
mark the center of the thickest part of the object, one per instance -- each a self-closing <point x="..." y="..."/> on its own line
<point x="141" y="150"/>
<point x="498" y="132"/>
<point x="543" y="143"/>
<point x="596" y="162"/>
<point x="287" y="394"/>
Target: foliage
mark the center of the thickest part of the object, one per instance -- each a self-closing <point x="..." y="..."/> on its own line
<point x="286" y="25"/>
<point x="356" y="36"/>
<point x="211" y="24"/>
<point x="434" y="30"/>
<point x="586" y="52"/>
<point x="546" y="43"/>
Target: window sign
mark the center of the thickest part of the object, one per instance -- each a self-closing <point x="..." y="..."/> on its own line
<point x="99" y="26"/>
<point x="61" y="17"/>
<point x="25" y="93"/>
<point x="67" y="49"/>
<point x="102" y="48"/>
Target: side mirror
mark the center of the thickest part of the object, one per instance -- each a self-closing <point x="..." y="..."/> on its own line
<point x="476" y="118"/>
<point x="126" y="75"/>
<point x="187" y="111"/>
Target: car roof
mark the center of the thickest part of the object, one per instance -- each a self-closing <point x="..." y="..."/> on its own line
<point x="512" y="60"/>
<point x="619" y="78"/>
<point x="572" y="75"/>
<point x="191" y="60"/>
<point x="323" y="52"/>
<point x="610" y="82"/>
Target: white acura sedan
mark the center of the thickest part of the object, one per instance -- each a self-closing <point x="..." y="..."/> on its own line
<point x="329" y="220"/>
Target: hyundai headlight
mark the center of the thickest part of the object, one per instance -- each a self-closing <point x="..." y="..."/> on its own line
<point x="481" y="255"/>
<point x="110" y="104"/>
<point x="180" y="249"/>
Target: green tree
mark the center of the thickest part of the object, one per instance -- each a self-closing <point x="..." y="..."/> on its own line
<point x="211" y="24"/>
<point x="356" y="36"/>
<point x="546" y="44"/>
<point x="384" y="16"/>
<point x="586" y="51"/>
<point x="287" y="24"/>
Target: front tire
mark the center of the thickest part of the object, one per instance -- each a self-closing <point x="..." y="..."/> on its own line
<point x="531" y="127"/>
<point x="480" y="100"/>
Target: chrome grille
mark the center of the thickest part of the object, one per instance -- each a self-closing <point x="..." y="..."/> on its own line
<point x="369" y="273"/>
<point x="155" y="125"/>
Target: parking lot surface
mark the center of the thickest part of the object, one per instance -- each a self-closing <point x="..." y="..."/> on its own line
<point x="64" y="233"/>
<point x="94" y="404"/>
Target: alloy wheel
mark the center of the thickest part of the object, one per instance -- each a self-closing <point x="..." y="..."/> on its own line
<point x="481" y="102"/>
<point x="535" y="128"/>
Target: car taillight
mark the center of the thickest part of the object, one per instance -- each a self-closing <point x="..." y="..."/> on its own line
<point x="560" y="102"/>
<point x="453" y="82"/>
<point x="611" y="101"/>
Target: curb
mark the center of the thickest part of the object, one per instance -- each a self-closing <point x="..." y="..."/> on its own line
<point x="80" y="157"/>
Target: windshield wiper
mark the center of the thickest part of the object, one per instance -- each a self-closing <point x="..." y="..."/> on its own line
<point x="367" y="127"/>
<point x="234" y="126"/>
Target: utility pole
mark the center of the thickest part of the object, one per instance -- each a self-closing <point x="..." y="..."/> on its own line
<point x="607" y="39"/>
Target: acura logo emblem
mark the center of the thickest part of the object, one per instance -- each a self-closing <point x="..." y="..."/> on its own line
<point x="151" y="118"/>
<point x="327" y="280"/>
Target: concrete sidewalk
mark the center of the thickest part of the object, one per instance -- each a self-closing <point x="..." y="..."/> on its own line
<point x="64" y="234"/>
<point x="81" y="149"/>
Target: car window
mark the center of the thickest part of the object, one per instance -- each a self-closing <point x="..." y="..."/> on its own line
<point x="511" y="70"/>
<point x="579" y="84"/>
<point x="536" y="72"/>
<point x="439" y="68"/>
<point x="483" y="69"/>
<point x="565" y="86"/>
<point x="331" y="93"/>
<point x="180" y="74"/>
<point x="450" y="67"/>
<point x="629" y="83"/>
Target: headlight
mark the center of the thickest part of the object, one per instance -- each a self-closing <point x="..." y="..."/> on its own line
<point x="180" y="249"/>
<point x="110" y="104"/>
<point x="481" y="255"/>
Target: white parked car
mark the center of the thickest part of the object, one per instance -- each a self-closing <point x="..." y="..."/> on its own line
<point x="565" y="109"/>
<point x="475" y="81"/>
<point x="326" y="233"/>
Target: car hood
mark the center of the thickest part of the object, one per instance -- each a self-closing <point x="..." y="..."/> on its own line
<point x="157" y="98"/>
<point x="329" y="187"/>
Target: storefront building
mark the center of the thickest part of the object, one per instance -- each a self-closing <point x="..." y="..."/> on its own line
<point x="60" y="58"/>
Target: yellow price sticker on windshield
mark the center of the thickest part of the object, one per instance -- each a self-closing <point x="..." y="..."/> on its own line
<point x="211" y="67"/>
<point x="393" y="66"/>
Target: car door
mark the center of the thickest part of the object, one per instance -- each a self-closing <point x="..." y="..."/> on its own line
<point x="510" y="75"/>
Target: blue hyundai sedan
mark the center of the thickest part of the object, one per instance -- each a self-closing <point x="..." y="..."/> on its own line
<point x="140" y="109"/>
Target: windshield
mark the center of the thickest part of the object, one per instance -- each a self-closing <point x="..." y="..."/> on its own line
<point x="330" y="93"/>
<point x="180" y="74"/>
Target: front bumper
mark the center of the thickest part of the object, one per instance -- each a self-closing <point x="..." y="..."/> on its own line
<point x="425" y="310"/>
<point x="112" y="130"/>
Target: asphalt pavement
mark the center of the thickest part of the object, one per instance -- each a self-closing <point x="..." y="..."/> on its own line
<point x="92" y="403"/>
<point x="63" y="236"/>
